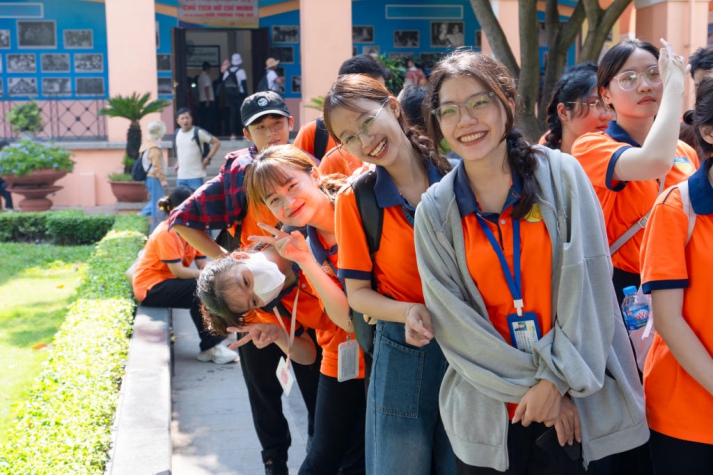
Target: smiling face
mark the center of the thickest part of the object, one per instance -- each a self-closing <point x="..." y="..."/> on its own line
<point x="370" y="131"/>
<point x="643" y="100"/>
<point x="473" y="138"/>
<point x="294" y="197"/>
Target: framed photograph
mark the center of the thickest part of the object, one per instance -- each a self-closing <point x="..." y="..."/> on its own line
<point x="21" y="63"/>
<point x="400" y="58"/>
<point x="163" y="62"/>
<point x="89" y="86"/>
<point x="2" y="89"/>
<point x="54" y="63"/>
<point x="4" y="39"/>
<point x="285" y="34"/>
<point x="78" y="39"/>
<point x="371" y="49"/>
<point x="296" y="85"/>
<point x="362" y="33"/>
<point x="88" y="63"/>
<point x="285" y="54"/>
<point x="56" y="86"/>
<point x="22" y="86"/>
<point x="446" y="34"/>
<point x="36" y="34"/>
<point x="429" y="60"/>
<point x="407" y="38"/>
<point x="196" y="55"/>
<point x="165" y="86"/>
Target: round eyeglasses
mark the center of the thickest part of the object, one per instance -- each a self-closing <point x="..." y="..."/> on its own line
<point x="353" y="142"/>
<point x="477" y="106"/>
<point x="629" y="80"/>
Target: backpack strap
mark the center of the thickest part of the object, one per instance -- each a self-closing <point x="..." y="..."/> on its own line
<point x="197" y="139"/>
<point x="687" y="208"/>
<point x="321" y="138"/>
<point x="372" y="217"/>
<point x="636" y="227"/>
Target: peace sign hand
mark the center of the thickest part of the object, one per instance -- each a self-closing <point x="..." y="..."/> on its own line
<point x="290" y="246"/>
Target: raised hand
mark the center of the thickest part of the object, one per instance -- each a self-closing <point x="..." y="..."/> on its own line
<point x="290" y="246"/>
<point x="261" y="334"/>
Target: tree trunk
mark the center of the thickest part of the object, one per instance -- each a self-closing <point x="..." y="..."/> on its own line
<point x="599" y="24"/>
<point x="495" y="35"/>
<point x="529" y="82"/>
<point x="133" y="143"/>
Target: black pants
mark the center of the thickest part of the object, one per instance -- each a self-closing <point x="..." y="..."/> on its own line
<point x="181" y="293"/>
<point x="265" y="394"/>
<point x="236" y="121"/>
<point x="675" y="456"/>
<point x="338" y="444"/>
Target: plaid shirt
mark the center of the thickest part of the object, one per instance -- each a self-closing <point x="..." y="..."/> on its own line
<point x="220" y="202"/>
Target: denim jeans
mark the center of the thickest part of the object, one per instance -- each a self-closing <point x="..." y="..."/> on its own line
<point x="193" y="183"/>
<point x="151" y="208"/>
<point x="404" y="431"/>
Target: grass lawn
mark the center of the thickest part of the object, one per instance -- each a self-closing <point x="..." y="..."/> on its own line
<point x="37" y="282"/>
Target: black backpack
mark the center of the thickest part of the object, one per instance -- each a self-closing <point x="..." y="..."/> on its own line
<point x="321" y="139"/>
<point x="372" y="218"/>
<point x="262" y="85"/>
<point x="204" y="147"/>
<point x="231" y="85"/>
<point x="138" y="173"/>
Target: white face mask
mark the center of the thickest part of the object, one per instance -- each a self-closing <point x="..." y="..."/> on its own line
<point x="267" y="278"/>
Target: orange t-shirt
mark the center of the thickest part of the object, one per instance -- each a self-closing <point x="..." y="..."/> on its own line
<point x="305" y="138"/>
<point x="329" y="258"/>
<point x="310" y="314"/>
<point x="339" y="161"/>
<point x="394" y="264"/>
<point x="624" y="203"/>
<point x="484" y="266"/>
<point x="676" y="404"/>
<point x="162" y="248"/>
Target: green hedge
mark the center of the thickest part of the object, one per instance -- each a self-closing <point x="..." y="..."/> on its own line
<point x="64" y="427"/>
<point x="67" y="227"/>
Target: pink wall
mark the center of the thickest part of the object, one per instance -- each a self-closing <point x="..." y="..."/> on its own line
<point x="322" y="23"/>
<point x="131" y="55"/>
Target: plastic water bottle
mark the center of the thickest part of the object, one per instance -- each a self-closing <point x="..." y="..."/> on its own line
<point x="635" y="309"/>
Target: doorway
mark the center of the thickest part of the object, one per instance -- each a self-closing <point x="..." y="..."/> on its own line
<point x="194" y="46"/>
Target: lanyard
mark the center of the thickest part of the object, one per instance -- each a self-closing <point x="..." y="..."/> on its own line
<point x="291" y="333"/>
<point x="514" y="281"/>
<point x="407" y="214"/>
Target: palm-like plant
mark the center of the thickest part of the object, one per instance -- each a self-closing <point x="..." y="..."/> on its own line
<point x="133" y="108"/>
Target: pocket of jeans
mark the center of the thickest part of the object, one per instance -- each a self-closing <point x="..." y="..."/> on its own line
<point x="396" y="378"/>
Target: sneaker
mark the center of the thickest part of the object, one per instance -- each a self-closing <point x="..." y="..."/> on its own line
<point x="219" y="354"/>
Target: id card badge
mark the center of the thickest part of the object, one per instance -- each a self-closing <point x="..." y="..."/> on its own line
<point x="348" y="361"/>
<point x="285" y="376"/>
<point x="524" y="331"/>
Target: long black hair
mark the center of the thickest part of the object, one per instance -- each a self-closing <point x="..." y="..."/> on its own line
<point x="703" y="116"/>
<point x="575" y="84"/>
<point x="465" y="62"/>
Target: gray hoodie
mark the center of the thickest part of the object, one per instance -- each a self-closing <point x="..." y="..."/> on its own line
<point x="587" y="352"/>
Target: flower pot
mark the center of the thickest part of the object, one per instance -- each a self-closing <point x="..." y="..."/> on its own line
<point x="129" y="191"/>
<point x="34" y="188"/>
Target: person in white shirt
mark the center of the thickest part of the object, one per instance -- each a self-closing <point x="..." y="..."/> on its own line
<point x="235" y="85"/>
<point x="191" y="164"/>
<point x="206" y="98"/>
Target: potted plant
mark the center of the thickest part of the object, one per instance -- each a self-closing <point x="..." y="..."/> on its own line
<point x="26" y="119"/>
<point x="133" y="108"/>
<point x="31" y="168"/>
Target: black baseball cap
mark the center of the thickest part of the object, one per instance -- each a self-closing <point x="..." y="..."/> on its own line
<point x="262" y="103"/>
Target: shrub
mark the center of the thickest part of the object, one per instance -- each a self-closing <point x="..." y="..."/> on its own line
<point x="75" y="227"/>
<point x="26" y="117"/>
<point x="64" y="427"/>
<point x="26" y="157"/>
<point x="67" y="227"/>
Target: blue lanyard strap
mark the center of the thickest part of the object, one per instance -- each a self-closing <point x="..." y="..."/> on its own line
<point x="514" y="281"/>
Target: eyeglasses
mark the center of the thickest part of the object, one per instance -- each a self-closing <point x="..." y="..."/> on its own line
<point x="594" y="105"/>
<point x="629" y="80"/>
<point x="353" y="142"/>
<point x="477" y="106"/>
